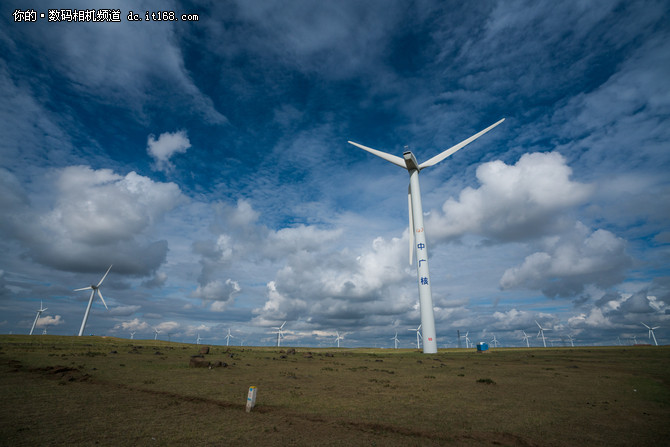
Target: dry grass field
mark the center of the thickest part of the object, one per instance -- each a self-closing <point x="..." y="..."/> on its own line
<point x="118" y="392"/>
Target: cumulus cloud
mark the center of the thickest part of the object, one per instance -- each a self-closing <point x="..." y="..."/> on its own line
<point x="167" y="326"/>
<point x="133" y="325"/>
<point x="513" y="203"/>
<point x="98" y="218"/>
<point x="220" y="292"/>
<point x="48" y="320"/>
<point x="167" y="145"/>
<point x="569" y="262"/>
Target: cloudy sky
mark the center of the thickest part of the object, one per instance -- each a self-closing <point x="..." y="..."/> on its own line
<point x="208" y="162"/>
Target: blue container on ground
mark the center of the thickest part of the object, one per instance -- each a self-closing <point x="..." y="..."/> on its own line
<point x="482" y="346"/>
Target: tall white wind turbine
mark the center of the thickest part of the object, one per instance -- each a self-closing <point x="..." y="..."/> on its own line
<point x="651" y="332"/>
<point x="93" y="289"/>
<point x="228" y="337"/>
<point x="156" y="332"/>
<point x="197" y="340"/>
<point x="525" y="338"/>
<point x="280" y="333"/>
<point x="467" y="340"/>
<point x="338" y="338"/>
<point x="417" y="235"/>
<point x="572" y="340"/>
<point x="418" y="336"/>
<point x="37" y="317"/>
<point x="541" y="332"/>
<point x="132" y="335"/>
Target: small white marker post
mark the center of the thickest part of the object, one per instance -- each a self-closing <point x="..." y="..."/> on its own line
<point x="251" y="398"/>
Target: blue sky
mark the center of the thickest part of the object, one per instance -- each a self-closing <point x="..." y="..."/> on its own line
<point x="208" y="162"/>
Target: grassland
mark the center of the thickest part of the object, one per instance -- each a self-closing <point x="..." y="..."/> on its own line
<point x="117" y="392"/>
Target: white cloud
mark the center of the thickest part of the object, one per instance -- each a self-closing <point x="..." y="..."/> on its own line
<point x="50" y="321"/>
<point x="133" y="326"/>
<point x="220" y="292"/>
<point x="100" y="218"/>
<point x="167" y="326"/>
<point x="569" y="262"/>
<point x="513" y="203"/>
<point x="167" y="145"/>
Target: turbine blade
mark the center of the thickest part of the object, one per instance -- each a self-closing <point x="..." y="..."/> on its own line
<point x="103" y="278"/>
<point x="83" y="288"/>
<point x="538" y="324"/>
<point x="398" y="161"/>
<point x="645" y="325"/>
<point x="438" y="158"/>
<point x="411" y="224"/>
<point x="103" y="300"/>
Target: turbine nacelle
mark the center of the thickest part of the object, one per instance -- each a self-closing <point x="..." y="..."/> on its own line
<point x="410" y="161"/>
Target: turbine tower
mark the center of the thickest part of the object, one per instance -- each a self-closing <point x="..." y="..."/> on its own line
<point x="467" y="340"/>
<point x="572" y="341"/>
<point x="525" y="338"/>
<point x="416" y="229"/>
<point x="93" y="289"/>
<point x="197" y="340"/>
<point x="156" y="332"/>
<point x="418" y="336"/>
<point x="280" y="333"/>
<point x="651" y="332"/>
<point x="132" y="335"/>
<point x="544" y="342"/>
<point x="338" y="338"/>
<point x="228" y="337"/>
<point x="37" y="317"/>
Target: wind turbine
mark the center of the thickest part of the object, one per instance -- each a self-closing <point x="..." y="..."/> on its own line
<point x="44" y="332"/>
<point x="339" y="337"/>
<point x="572" y="341"/>
<point x="525" y="338"/>
<point x="467" y="340"/>
<point x="418" y="336"/>
<point x="395" y="340"/>
<point x="156" y="332"/>
<point x="651" y="332"/>
<point x="544" y="342"/>
<point x="280" y="333"/>
<point x="132" y="335"/>
<point x="37" y="317"/>
<point x="416" y="229"/>
<point x="197" y="340"/>
<point x="494" y="341"/>
<point x="90" y="300"/>
<point x="228" y="337"/>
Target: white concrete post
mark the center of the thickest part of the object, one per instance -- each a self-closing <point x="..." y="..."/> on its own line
<point x="251" y="398"/>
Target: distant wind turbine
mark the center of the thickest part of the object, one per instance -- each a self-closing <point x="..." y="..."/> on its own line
<point x="93" y="289"/>
<point x="37" y="317"/>
<point x="494" y="341"/>
<point x="467" y="340"/>
<point x="418" y="336"/>
<point x="44" y="332"/>
<point x="228" y="337"/>
<point x="416" y="229"/>
<point x="651" y="332"/>
<point x="197" y="340"/>
<point x="572" y="341"/>
<point x="395" y="340"/>
<point x="338" y="338"/>
<point x="525" y="338"/>
<point x="156" y="332"/>
<point x="541" y="332"/>
<point x="280" y="333"/>
<point x="132" y="335"/>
